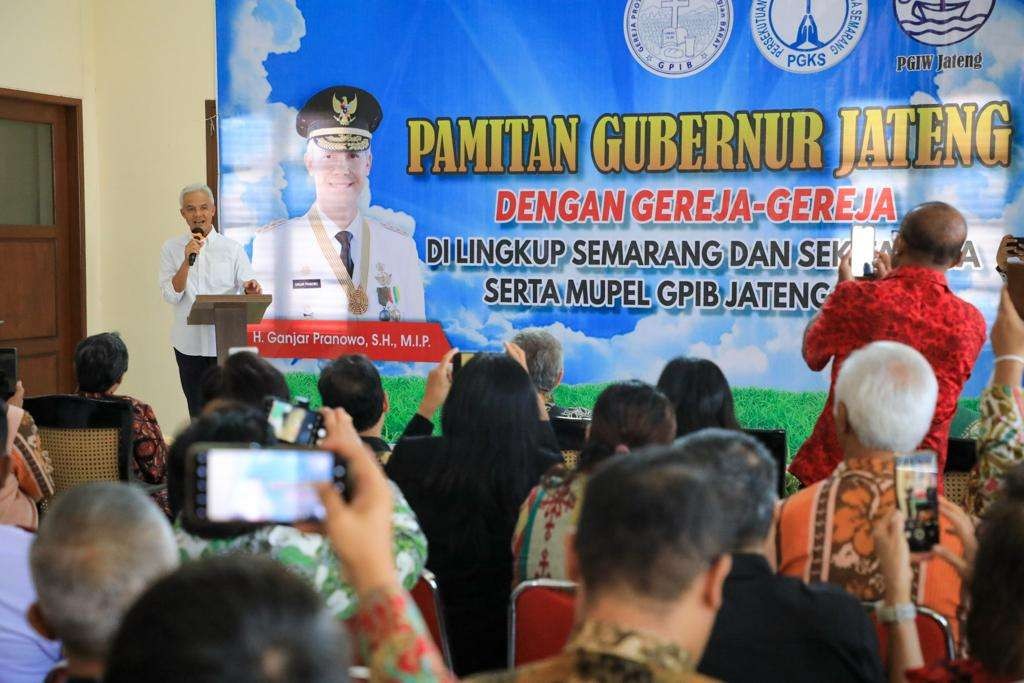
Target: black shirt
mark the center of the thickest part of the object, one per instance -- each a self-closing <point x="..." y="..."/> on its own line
<point x="777" y="628"/>
<point x="474" y="575"/>
<point x="418" y="426"/>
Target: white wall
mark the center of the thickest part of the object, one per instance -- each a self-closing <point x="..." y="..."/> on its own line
<point x="155" y="67"/>
<point x="143" y="69"/>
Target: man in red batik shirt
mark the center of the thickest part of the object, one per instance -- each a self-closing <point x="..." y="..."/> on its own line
<point x="909" y="303"/>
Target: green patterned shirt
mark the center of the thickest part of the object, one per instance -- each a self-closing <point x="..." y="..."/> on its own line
<point x="311" y="556"/>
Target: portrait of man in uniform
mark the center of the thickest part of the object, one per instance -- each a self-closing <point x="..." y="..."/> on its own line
<point x="336" y="262"/>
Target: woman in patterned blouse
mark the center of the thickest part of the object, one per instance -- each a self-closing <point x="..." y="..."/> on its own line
<point x="627" y="416"/>
<point x="101" y="362"/>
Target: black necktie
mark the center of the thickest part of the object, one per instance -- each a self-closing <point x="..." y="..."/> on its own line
<point x="345" y="237"/>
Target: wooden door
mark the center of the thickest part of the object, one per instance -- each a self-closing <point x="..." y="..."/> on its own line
<point x="42" y="283"/>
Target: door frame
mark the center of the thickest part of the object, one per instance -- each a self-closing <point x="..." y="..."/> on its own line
<point x="71" y="274"/>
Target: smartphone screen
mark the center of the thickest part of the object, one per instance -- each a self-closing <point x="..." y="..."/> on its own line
<point x="294" y="424"/>
<point x="8" y="372"/>
<point x="257" y="485"/>
<point x="917" y="494"/>
<point x="862" y="250"/>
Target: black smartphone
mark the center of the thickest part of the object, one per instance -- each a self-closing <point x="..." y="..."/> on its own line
<point x="231" y="484"/>
<point x="460" y="359"/>
<point x="295" y="423"/>
<point x="917" y="494"/>
<point x="8" y="372"/>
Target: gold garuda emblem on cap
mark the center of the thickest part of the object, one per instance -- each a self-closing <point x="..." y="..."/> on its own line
<point x="344" y="110"/>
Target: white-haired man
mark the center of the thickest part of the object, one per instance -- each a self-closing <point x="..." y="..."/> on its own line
<point x="200" y="262"/>
<point x="885" y="396"/>
<point x="98" y="549"/>
<point x="336" y="262"/>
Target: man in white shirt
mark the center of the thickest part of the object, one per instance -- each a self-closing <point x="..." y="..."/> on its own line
<point x="200" y="262"/>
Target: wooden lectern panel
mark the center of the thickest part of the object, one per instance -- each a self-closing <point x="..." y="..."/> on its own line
<point x="204" y="305"/>
<point x="229" y="314"/>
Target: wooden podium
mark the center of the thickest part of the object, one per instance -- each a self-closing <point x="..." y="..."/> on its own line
<point x="229" y="314"/>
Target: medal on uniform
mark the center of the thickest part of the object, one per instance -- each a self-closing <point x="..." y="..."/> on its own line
<point x="387" y="296"/>
<point x="358" y="300"/>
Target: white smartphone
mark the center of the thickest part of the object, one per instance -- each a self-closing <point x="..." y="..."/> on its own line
<point x="862" y="251"/>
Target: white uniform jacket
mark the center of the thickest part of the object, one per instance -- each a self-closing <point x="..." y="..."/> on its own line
<point x="290" y="265"/>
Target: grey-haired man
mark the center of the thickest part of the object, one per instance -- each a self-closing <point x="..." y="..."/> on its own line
<point x="201" y="261"/>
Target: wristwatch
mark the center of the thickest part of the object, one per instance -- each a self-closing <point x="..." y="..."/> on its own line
<point x="892" y="614"/>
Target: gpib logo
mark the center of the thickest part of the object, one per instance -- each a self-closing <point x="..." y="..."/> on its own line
<point x="804" y="36"/>
<point x="675" y="38"/>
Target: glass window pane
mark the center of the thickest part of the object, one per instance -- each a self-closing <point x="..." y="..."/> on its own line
<point x="26" y="173"/>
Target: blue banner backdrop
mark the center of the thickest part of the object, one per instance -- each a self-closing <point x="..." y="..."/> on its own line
<point x="700" y="162"/>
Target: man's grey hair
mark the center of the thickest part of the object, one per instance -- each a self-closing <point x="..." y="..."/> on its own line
<point x="543" y="357"/>
<point x="194" y="187"/>
<point x="99" y="547"/>
<point x="743" y="475"/>
<point x="889" y="391"/>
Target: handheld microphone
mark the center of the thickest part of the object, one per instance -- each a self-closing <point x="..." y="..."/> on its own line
<point x="192" y="257"/>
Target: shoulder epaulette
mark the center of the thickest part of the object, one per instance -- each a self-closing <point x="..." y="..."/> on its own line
<point x="393" y="228"/>
<point x="270" y="226"/>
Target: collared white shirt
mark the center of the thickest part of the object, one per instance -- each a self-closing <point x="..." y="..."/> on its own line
<point x="221" y="267"/>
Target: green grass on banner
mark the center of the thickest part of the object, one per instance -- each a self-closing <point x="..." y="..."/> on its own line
<point x="794" y="411"/>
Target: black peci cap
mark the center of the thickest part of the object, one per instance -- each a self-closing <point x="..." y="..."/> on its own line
<point x="341" y="117"/>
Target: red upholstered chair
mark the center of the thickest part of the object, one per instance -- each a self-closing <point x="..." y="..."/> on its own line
<point x="428" y="599"/>
<point x="932" y="630"/>
<point x="540" y="618"/>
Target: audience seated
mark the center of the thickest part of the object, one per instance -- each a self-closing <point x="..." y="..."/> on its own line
<point x="544" y="363"/>
<point x="650" y="554"/>
<point x="101" y="362"/>
<point x="627" y="416"/>
<point x="249" y="619"/>
<point x="995" y="622"/>
<point x="770" y="627"/>
<point x="884" y="400"/>
<point x="672" y="546"/>
<point x="306" y="553"/>
<point x="97" y="550"/>
<point x="25" y="656"/>
<point x="250" y="379"/>
<point x="466" y="487"/>
<point x="353" y="383"/>
<point x="25" y="471"/>
<point x="700" y="394"/>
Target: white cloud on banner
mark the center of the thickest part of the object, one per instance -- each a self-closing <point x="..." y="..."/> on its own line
<point x="745" y="352"/>
<point x="278" y="29"/>
<point x="257" y="137"/>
